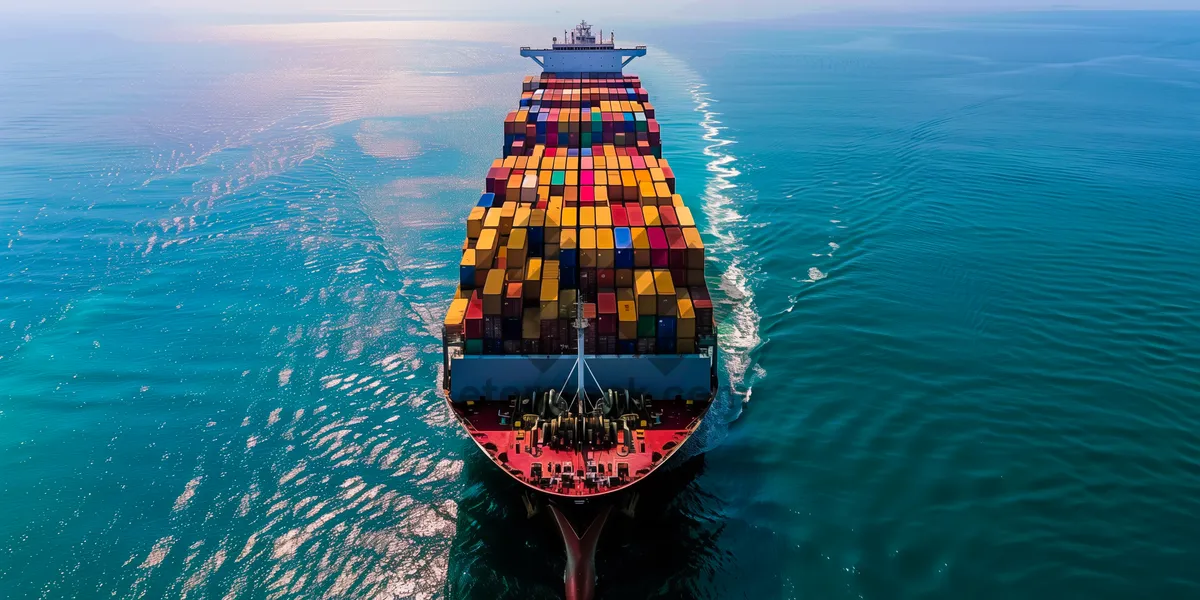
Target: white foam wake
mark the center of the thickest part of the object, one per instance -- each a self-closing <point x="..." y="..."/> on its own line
<point x="739" y="335"/>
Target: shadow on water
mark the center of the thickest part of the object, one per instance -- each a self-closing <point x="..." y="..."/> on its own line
<point x="664" y="551"/>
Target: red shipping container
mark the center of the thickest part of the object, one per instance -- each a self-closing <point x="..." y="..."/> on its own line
<point x="587" y="178"/>
<point x="606" y="279"/>
<point x="607" y="324"/>
<point x="475" y="317"/>
<point x="619" y="218"/>
<point x="667" y="215"/>
<point x="678" y="248"/>
<point x="659" y="255"/>
<point x="670" y="176"/>
<point x="634" y="212"/>
<point x="606" y="303"/>
<point x="639" y="163"/>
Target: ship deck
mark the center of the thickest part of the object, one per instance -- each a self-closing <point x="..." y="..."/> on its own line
<point x="583" y="469"/>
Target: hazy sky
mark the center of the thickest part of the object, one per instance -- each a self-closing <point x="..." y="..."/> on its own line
<point x="569" y="10"/>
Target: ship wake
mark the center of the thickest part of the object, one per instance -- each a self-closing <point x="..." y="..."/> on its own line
<point x="740" y="327"/>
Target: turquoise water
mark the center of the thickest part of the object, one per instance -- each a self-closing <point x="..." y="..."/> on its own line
<point x="957" y="266"/>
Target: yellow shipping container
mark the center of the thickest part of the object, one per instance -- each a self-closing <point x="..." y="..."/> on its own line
<point x="694" y="259"/>
<point x="663" y="286"/>
<point x="548" y="298"/>
<point x="626" y="314"/>
<point x="602" y="196"/>
<point x="522" y="216"/>
<point x="549" y="269"/>
<point x="568" y="240"/>
<point x="456" y="314"/>
<point x="468" y="258"/>
<point x="663" y="192"/>
<point x="587" y="248"/>
<point x="492" y="218"/>
<point x="685" y="319"/>
<point x="603" y="216"/>
<point x="475" y="222"/>
<point x="517" y="241"/>
<point x="605" y="252"/>
<point x="625" y="163"/>
<point x="599" y="163"/>
<point x="560" y="163"/>
<point x="644" y="290"/>
<point x="485" y="248"/>
<point x="650" y="214"/>
<point x="532" y="288"/>
<point x="685" y="215"/>
<point x="570" y="217"/>
<point x="587" y="216"/>
<point x="493" y="290"/>
<point x="641" y="247"/>
<point x="646" y="194"/>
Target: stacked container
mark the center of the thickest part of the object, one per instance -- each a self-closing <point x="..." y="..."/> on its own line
<point x="581" y="211"/>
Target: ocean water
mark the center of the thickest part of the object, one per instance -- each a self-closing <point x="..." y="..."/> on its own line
<point x="956" y="262"/>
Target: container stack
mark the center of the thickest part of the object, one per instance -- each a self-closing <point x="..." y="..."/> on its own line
<point x="581" y="211"/>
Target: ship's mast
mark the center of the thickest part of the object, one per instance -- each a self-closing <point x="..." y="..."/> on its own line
<point x="581" y="357"/>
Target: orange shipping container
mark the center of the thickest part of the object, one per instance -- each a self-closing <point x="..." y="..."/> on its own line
<point x="665" y="288"/>
<point x="587" y="248"/>
<point x="644" y="290"/>
<point x="694" y="258"/>
<point x="493" y="291"/>
<point x="475" y="222"/>
<point x="605" y="252"/>
<point x="641" y="247"/>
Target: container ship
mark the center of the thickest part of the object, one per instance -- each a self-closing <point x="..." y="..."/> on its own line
<point x="579" y="351"/>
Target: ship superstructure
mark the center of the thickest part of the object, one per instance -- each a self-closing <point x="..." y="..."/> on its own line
<point x="580" y="52"/>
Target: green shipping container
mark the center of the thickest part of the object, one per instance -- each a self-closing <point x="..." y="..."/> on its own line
<point x="585" y="139"/>
<point x="645" y="326"/>
<point x="474" y="347"/>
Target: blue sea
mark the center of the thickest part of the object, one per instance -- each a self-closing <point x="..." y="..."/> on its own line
<point x="956" y="260"/>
